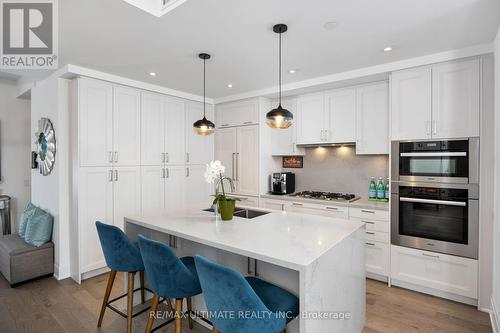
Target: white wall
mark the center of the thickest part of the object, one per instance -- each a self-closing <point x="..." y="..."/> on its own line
<point x="496" y="251"/>
<point x="15" y="149"/>
<point x="49" y="99"/>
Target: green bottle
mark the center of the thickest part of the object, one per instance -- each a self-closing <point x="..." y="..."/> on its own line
<point x="380" y="189"/>
<point x="372" y="191"/>
<point x="387" y="190"/>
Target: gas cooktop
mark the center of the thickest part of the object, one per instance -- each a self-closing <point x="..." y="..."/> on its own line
<point x="328" y="196"/>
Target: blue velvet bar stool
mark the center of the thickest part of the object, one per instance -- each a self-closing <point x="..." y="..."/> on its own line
<point x="121" y="256"/>
<point x="225" y="289"/>
<point x="169" y="277"/>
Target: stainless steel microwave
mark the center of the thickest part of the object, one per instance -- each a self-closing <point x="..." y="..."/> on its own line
<point x="443" y="161"/>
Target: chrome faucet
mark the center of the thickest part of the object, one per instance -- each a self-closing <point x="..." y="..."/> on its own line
<point x="220" y="182"/>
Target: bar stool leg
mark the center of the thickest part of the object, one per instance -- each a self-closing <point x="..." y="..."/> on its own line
<point x="283" y="331"/>
<point x="214" y="330"/>
<point x="130" y="301"/>
<point x="111" y="280"/>
<point x="151" y="318"/>
<point x="141" y="275"/>
<point x="189" y="308"/>
<point x="178" y="315"/>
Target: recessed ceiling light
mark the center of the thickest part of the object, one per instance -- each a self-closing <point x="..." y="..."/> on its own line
<point x="293" y="71"/>
<point x="152" y="73"/>
<point x="330" y="25"/>
<point x="229" y="85"/>
<point x="388" y="49"/>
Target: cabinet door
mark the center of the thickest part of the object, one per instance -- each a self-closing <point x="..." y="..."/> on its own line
<point x="175" y="139"/>
<point x="95" y="122"/>
<point x="411" y="104"/>
<point x="238" y="113"/>
<point x="153" y="188"/>
<point x="175" y="186"/>
<point x="152" y="129"/>
<point x="455" y="99"/>
<point x="372" y="117"/>
<point x="247" y="160"/>
<point x="225" y="150"/>
<point x="127" y="126"/>
<point x="197" y="190"/>
<point x="311" y="118"/>
<point x="199" y="149"/>
<point x="95" y="203"/>
<point x="126" y="193"/>
<point x="377" y="257"/>
<point x="284" y="141"/>
<point x="341" y="109"/>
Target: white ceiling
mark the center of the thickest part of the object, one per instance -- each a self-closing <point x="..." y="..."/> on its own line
<point x="115" y="37"/>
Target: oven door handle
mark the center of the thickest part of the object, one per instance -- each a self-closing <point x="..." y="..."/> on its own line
<point x="434" y="154"/>
<point x="437" y="202"/>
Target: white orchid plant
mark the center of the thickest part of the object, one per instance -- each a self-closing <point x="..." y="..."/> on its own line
<point x="213" y="173"/>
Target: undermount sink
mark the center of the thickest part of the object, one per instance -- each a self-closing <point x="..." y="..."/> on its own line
<point x="243" y="212"/>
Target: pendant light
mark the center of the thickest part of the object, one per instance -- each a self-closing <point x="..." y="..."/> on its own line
<point x="279" y="117"/>
<point x="204" y="126"/>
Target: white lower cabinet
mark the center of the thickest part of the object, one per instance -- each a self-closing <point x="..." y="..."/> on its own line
<point x="175" y="185"/>
<point x="432" y="272"/>
<point x="126" y="193"/>
<point x="272" y="204"/>
<point x="377" y="257"/>
<point x="315" y="209"/>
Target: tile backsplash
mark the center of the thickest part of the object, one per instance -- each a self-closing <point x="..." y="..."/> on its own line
<point x="339" y="169"/>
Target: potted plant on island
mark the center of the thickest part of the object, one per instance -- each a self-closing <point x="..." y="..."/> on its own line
<point x="215" y="173"/>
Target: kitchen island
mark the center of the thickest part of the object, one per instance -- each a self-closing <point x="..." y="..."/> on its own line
<point x="320" y="259"/>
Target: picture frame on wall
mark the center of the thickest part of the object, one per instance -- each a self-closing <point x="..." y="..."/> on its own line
<point x="293" y="162"/>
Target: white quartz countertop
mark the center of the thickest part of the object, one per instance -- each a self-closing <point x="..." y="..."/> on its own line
<point x="360" y="203"/>
<point x="291" y="240"/>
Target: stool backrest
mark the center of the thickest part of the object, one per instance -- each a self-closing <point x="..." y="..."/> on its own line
<point x="167" y="274"/>
<point x="120" y="253"/>
<point x="232" y="303"/>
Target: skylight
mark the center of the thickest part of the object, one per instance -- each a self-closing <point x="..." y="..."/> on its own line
<point x="157" y="8"/>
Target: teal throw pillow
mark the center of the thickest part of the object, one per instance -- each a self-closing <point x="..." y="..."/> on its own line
<point x="25" y="217"/>
<point x="39" y="228"/>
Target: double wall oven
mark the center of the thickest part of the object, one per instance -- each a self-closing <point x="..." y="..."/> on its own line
<point x="435" y="196"/>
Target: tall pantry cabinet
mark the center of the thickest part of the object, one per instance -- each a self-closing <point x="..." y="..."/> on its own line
<point x="132" y="152"/>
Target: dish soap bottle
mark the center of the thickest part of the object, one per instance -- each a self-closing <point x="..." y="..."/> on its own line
<point x="380" y="189"/>
<point x="372" y="191"/>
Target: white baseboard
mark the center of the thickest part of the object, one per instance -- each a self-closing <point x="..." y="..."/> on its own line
<point x="60" y="274"/>
<point x="494" y="316"/>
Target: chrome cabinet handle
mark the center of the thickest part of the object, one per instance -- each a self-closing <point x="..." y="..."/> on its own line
<point x="233" y="166"/>
<point x="167" y="158"/>
<point x="110" y="157"/>
<point x="162" y="172"/>
<point x="116" y="157"/>
<point x="371" y="244"/>
<point x="116" y="175"/>
<point x="326" y="135"/>
<point x="430" y="256"/>
<point x="370" y="233"/>
<point x="110" y="175"/>
<point x="296" y="204"/>
<point x="368" y="211"/>
<point x="247" y="122"/>
<point x="163" y="157"/>
<point x="332" y="208"/>
<point x="237" y="166"/>
<point x="168" y="173"/>
<point x="187" y="157"/>
<point x="369" y="222"/>
<point x="187" y="172"/>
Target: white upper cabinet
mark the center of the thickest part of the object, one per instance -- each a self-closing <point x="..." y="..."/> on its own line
<point x="439" y="101"/>
<point x="455" y="102"/>
<point x="238" y="113"/>
<point x="372" y="114"/>
<point x="127" y="126"/>
<point x="284" y="141"/>
<point x="225" y="150"/>
<point x="199" y="148"/>
<point x="152" y="129"/>
<point x="175" y="140"/>
<point x="341" y="115"/>
<point x="247" y="160"/>
<point x="411" y="104"/>
<point x="311" y="118"/>
<point x="95" y="122"/>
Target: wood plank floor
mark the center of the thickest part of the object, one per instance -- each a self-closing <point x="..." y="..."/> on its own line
<point x="48" y="305"/>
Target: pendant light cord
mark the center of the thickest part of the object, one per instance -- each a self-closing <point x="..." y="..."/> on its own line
<point x="280" y="70"/>
<point x="204" y="83"/>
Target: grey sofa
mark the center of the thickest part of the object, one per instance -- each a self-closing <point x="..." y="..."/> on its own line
<point x="20" y="261"/>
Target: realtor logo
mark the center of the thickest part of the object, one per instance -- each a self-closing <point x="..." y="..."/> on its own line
<point x="29" y="34"/>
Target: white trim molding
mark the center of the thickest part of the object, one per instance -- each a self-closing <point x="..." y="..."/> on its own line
<point x="494" y="316"/>
<point x="366" y="71"/>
